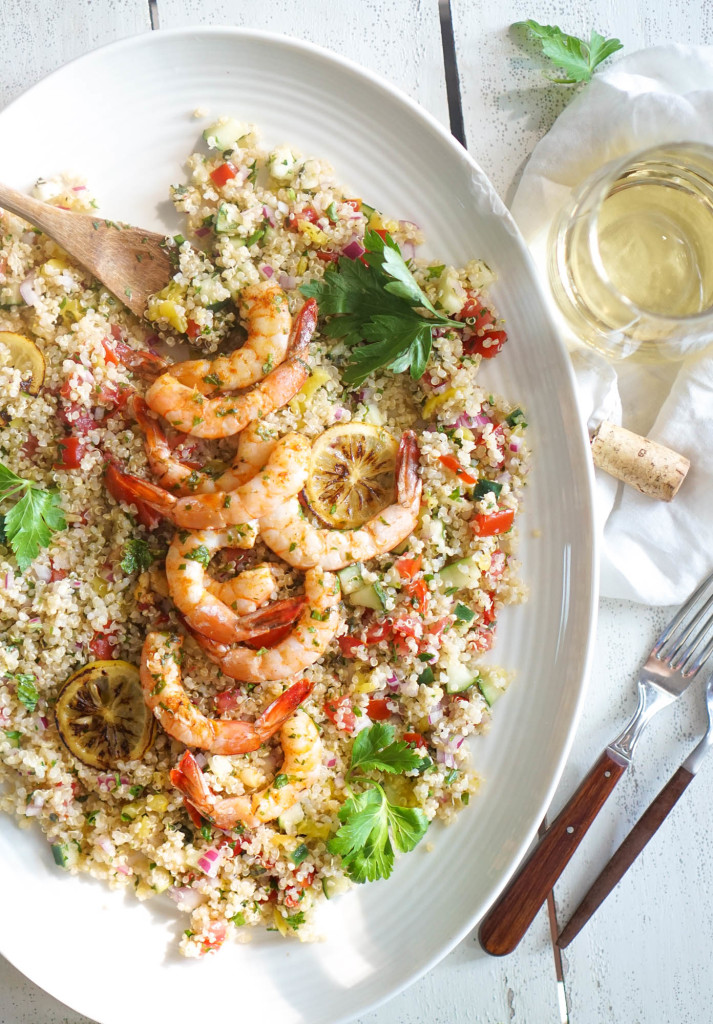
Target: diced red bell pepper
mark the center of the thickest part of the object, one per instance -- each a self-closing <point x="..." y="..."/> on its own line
<point x="378" y="631"/>
<point x="408" y="567"/>
<point x="110" y="355"/>
<point x="223" y="173"/>
<point x="341" y="708"/>
<point x="414" y="737"/>
<point x="227" y="700"/>
<point x="213" y="937"/>
<point x="378" y="710"/>
<point x="452" y="463"/>
<point x="487" y="345"/>
<point x="374" y="633"/>
<point x="101" y="647"/>
<point x="71" y="452"/>
<point x="489" y="613"/>
<point x="271" y="638"/>
<point x="354" y="203"/>
<point x="146" y="515"/>
<point x="192" y="329"/>
<point x="491" y="524"/>
<point x="418" y="590"/>
<point x="327" y="255"/>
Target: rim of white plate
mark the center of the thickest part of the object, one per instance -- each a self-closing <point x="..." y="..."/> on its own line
<point x="152" y="37"/>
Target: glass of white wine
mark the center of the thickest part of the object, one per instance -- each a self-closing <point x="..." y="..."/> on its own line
<point x="631" y="254"/>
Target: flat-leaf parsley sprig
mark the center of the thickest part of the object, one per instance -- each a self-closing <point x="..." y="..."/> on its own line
<point x="33" y="518"/>
<point x="378" y="301"/>
<point x="577" y="57"/>
<point x="372" y="825"/>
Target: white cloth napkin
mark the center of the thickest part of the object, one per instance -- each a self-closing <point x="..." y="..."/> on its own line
<point x="652" y="551"/>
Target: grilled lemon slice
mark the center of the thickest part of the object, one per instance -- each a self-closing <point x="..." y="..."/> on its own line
<point x="352" y="474"/>
<point x="101" y="714"/>
<point x="27" y="358"/>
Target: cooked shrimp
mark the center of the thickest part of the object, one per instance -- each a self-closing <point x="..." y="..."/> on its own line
<point x="294" y="539"/>
<point x="247" y="591"/>
<point x="180" y="718"/>
<point x="186" y="571"/>
<point x="307" y="642"/>
<point x="255" y="445"/>
<point x="266" y="315"/>
<point x="190" y="411"/>
<point x="282" y="477"/>
<point x="302" y="748"/>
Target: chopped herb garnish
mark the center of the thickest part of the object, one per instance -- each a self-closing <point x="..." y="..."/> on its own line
<point x="137" y="556"/>
<point x="426" y="677"/>
<point x="32" y="520"/>
<point x="299" y="854"/>
<point x="26" y="691"/>
<point x="463" y="613"/>
<point x="200" y="554"/>
<point x="516" y="418"/>
<point x="280" y="781"/>
<point x="380" y="303"/>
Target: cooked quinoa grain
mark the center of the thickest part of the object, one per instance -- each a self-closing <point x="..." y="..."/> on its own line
<point x="411" y="656"/>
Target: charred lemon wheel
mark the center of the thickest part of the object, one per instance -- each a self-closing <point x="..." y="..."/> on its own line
<point x="101" y="714"/>
<point x="27" y="358"/>
<point x="352" y="474"/>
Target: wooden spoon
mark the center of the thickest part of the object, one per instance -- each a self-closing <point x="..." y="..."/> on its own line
<point x="131" y="262"/>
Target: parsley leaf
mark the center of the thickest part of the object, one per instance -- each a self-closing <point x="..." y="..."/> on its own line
<point x="380" y="303"/>
<point x="137" y="556"/>
<point x="32" y="520"/>
<point x="375" y="749"/>
<point x="575" y="56"/>
<point x="372" y="827"/>
<point x="26" y="691"/>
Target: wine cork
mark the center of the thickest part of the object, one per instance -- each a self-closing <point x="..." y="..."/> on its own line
<point x="649" y="467"/>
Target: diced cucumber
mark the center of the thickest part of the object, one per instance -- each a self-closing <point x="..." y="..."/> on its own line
<point x="350" y="578"/>
<point x="460" y="574"/>
<point x="484" y="487"/>
<point x="460" y="677"/>
<point x="374" y="415"/>
<point x="370" y="596"/>
<point x="10" y="296"/>
<point x="59" y="852"/>
<point x="290" y="818"/>
<point x="438" y="531"/>
<point x="489" y="690"/>
<point x="224" y="134"/>
<point x="227" y="219"/>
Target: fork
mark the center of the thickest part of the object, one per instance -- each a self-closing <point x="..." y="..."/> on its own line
<point x="646" y="827"/>
<point x="678" y="655"/>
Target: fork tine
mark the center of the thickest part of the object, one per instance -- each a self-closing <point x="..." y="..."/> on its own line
<point x="695" y="667"/>
<point x="695" y="633"/>
<point x="678" y="629"/>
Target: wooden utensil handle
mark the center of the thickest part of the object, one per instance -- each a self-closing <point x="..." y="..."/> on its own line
<point x="512" y="914"/>
<point x="650" y="821"/>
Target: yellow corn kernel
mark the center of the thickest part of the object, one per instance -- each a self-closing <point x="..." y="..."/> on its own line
<point x="100" y="586"/>
<point x="55" y="264"/>
<point x="280" y="923"/>
<point x="436" y="401"/>
<point x="314" y="234"/>
<point x="157" y="802"/>
<point x="72" y="312"/>
<point x="301" y="265"/>
<point x="313" y="829"/>
<point x="362" y="683"/>
<point x="166" y="309"/>
<point x="301" y="400"/>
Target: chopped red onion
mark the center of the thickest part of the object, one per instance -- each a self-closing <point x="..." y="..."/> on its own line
<point x="33" y="621"/>
<point x="210" y="862"/>
<point x="186" y="897"/>
<point x="79" y="188"/>
<point x="514" y="446"/>
<point x="446" y="757"/>
<point x="32" y="810"/>
<point x="201" y="760"/>
<point x="201" y="232"/>
<point x="338" y="413"/>
<point x="122" y="869"/>
<point x="331" y="762"/>
<point x="152" y="342"/>
<point x="269" y="214"/>
<point x="267" y="271"/>
<point x="408" y="250"/>
<point x="435" y="714"/>
<point x="481" y="419"/>
<point x="9" y="580"/>
<point x="28" y="293"/>
<point x="105" y="845"/>
<point x="353" y="249"/>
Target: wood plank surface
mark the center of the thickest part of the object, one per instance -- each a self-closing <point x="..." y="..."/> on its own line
<point x="399" y="39"/>
<point x="38" y="36"/>
<point x="508" y="104"/>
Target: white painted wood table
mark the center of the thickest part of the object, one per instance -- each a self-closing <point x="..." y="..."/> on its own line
<point x="646" y="956"/>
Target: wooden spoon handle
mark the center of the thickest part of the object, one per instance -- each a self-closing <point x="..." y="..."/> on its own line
<point x="42" y="215"/>
<point x="647" y="825"/>
<point x="512" y="914"/>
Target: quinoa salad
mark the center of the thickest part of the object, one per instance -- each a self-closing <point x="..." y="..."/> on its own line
<point x="253" y="549"/>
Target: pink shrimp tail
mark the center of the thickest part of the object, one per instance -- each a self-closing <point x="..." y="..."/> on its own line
<point x="281" y="709"/>
<point x="264" y="620"/>
<point x="145" y="491"/>
<point x="147" y="364"/>
<point x="408" y="482"/>
<point x="304" y="326"/>
<point x="190" y="782"/>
